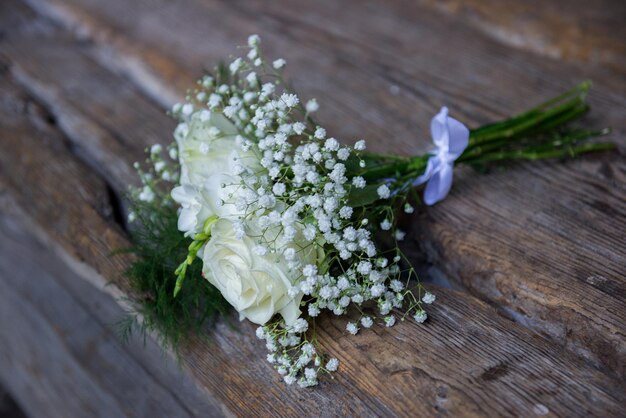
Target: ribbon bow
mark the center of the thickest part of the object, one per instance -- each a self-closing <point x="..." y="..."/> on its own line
<point x="451" y="138"/>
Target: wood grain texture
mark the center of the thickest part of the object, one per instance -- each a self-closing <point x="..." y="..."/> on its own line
<point x="469" y="361"/>
<point x="543" y="242"/>
<point x="58" y="350"/>
<point x="59" y="354"/>
<point x="579" y="30"/>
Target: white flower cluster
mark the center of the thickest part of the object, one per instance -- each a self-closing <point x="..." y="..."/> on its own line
<point x="269" y="198"/>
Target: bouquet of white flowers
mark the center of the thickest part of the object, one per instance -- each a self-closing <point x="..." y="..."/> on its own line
<point x="286" y="222"/>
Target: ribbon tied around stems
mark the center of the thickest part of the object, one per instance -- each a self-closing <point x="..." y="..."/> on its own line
<point x="451" y="138"/>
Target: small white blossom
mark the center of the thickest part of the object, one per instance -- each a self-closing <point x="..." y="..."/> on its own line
<point x="358" y="182"/>
<point x="359" y="145"/>
<point x="420" y="317"/>
<point x="358" y="299"/>
<point x="383" y="191"/>
<point x="312" y="106"/>
<point x="367" y="322"/>
<point x="310" y="373"/>
<point x="377" y="290"/>
<point x="396" y="285"/>
<point x="332" y="365"/>
<point x="300" y="325"/>
<point x="331" y="144"/>
<point x="298" y="127"/>
<point x="320" y="133"/>
<point x="252" y="79"/>
<point x="428" y="298"/>
<point x="290" y="100"/>
<point x="254" y="40"/>
<point x="352" y="328"/>
<point x="214" y="100"/>
<point x="343" y="154"/>
<point x="279" y="189"/>
<point x="289" y="254"/>
<point x="279" y="63"/>
<point x="313" y="311"/>
<point x="364" y="267"/>
<point x="309" y="270"/>
<point x="345" y="212"/>
<point x="235" y="65"/>
<point x="147" y="194"/>
<point x="159" y="166"/>
<point x="390" y="320"/>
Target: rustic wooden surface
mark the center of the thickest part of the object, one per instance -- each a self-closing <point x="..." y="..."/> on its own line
<point x="536" y="253"/>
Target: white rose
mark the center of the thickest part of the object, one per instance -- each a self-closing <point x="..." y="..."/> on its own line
<point x="194" y="208"/>
<point x="208" y="154"/>
<point x="207" y="145"/>
<point x="257" y="286"/>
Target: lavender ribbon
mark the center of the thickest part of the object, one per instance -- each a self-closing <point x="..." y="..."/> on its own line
<point x="451" y="138"/>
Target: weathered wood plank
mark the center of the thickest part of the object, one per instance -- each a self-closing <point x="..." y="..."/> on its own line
<point x="549" y="252"/>
<point x="576" y="30"/>
<point x="467" y="362"/>
<point x="58" y="352"/>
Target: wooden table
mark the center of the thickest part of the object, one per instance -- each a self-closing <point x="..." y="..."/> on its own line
<point x="528" y="263"/>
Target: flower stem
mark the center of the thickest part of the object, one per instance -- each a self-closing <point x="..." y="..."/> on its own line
<point x="538" y="133"/>
<point x="199" y="241"/>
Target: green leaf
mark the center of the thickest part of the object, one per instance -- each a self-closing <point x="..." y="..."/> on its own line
<point x="363" y="197"/>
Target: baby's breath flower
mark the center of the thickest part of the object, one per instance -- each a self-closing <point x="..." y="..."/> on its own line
<point x="147" y="194"/>
<point x="352" y="328"/>
<point x="309" y="270"/>
<point x="254" y="40"/>
<point x="383" y="191"/>
<point x="358" y="182"/>
<point x="320" y="133"/>
<point x="287" y="191"/>
<point x="279" y="63"/>
<point x="390" y="321"/>
<point x="312" y="106"/>
<point x="345" y="212"/>
<point x="428" y="298"/>
<point x="396" y="285"/>
<point x="332" y="365"/>
<point x="300" y="326"/>
<point x="313" y="310"/>
<point x="420" y="317"/>
<point x="290" y="100"/>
